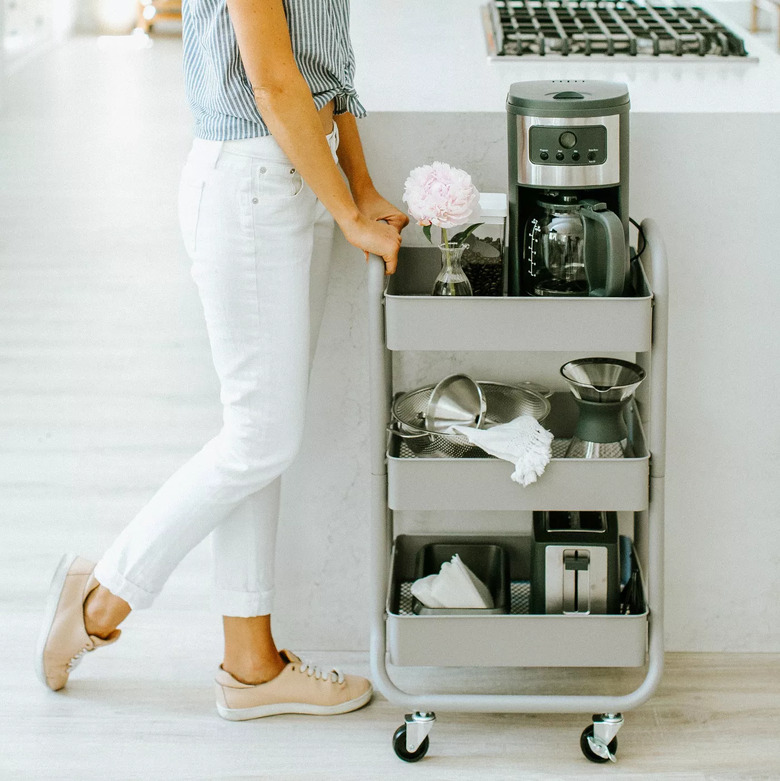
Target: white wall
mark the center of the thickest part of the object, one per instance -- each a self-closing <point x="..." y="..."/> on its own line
<point x="29" y="27"/>
<point x="107" y="17"/>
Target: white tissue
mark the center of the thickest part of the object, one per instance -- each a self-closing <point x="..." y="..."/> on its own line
<point x="423" y="590"/>
<point x="454" y="586"/>
<point x="523" y="442"/>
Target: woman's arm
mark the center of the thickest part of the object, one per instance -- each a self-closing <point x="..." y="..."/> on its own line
<point x="353" y="161"/>
<point x="285" y="103"/>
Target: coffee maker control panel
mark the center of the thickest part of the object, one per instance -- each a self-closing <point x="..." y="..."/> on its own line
<point x="576" y="145"/>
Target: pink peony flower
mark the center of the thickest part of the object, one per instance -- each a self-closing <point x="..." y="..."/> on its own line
<point x="440" y="195"/>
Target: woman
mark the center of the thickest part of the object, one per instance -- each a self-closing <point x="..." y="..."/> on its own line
<point x="270" y="86"/>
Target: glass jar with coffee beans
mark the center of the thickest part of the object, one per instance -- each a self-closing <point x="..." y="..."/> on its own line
<point x="483" y="264"/>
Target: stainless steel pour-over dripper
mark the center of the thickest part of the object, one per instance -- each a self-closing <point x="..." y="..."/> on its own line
<point x="602" y="388"/>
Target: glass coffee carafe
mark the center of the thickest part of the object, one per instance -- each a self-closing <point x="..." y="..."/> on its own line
<point x="574" y="248"/>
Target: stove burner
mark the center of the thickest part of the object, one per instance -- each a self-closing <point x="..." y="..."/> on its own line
<point x="607" y="27"/>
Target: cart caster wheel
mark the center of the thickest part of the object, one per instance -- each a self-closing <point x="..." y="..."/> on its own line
<point x="399" y="746"/>
<point x="590" y="753"/>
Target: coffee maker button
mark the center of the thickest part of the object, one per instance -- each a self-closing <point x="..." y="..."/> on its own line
<point x="575" y="156"/>
<point x="559" y="155"/>
<point x="591" y="156"/>
<point x="567" y="140"/>
<point x="543" y="155"/>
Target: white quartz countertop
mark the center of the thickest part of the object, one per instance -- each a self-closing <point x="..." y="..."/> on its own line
<point x="430" y="55"/>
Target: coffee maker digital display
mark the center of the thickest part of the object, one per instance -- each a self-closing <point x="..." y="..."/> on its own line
<point x="568" y="188"/>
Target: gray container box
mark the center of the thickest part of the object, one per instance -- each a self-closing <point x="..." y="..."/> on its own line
<point x="489" y="563"/>
<point x="485" y="483"/>
<point x="515" y="640"/>
<point x="416" y="320"/>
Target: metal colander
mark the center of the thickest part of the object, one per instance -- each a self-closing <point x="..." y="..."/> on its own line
<point x="503" y="403"/>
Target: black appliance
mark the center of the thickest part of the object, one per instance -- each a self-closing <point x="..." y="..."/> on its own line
<point x="568" y="149"/>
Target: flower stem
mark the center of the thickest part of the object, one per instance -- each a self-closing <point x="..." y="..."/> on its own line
<point x="448" y="254"/>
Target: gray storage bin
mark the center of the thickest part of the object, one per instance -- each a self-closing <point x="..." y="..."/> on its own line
<point x="510" y="640"/>
<point x="488" y="562"/>
<point x="415" y="320"/>
<point x="419" y="483"/>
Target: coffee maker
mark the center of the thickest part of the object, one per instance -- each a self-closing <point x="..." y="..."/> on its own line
<point x="568" y="188"/>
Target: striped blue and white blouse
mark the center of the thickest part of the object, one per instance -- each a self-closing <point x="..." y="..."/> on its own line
<point x="218" y="90"/>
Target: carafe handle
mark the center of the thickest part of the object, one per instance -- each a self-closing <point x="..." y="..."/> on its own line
<point x="605" y="261"/>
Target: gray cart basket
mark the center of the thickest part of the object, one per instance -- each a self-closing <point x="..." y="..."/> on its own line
<point x="402" y="319"/>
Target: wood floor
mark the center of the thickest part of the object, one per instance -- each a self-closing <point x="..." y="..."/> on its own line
<point x="89" y="427"/>
<point x="143" y="709"/>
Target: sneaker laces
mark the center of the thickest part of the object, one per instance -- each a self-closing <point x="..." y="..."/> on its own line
<point x="315" y="671"/>
<point x="76" y="659"/>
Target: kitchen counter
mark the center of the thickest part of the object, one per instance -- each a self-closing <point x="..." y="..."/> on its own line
<point x="704" y="163"/>
<point x="432" y="56"/>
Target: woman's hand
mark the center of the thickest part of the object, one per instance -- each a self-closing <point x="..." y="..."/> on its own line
<point x="375" y="237"/>
<point x="380" y="212"/>
<point x="375" y="207"/>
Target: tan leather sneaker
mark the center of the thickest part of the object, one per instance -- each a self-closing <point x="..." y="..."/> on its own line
<point x="299" y="688"/>
<point x="63" y="639"/>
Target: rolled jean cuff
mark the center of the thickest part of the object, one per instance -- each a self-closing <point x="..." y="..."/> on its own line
<point x="243" y="604"/>
<point x="135" y="596"/>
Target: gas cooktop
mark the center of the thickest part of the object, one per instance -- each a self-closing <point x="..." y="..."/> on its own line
<point x="606" y="28"/>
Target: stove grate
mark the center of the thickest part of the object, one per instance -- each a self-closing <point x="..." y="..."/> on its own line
<point x="608" y="27"/>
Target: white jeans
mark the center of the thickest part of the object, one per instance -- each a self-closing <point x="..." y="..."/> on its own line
<point x="255" y="232"/>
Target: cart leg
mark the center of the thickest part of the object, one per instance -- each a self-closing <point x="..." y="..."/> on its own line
<point x="410" y="740"/>
<point x="599" y="741"/>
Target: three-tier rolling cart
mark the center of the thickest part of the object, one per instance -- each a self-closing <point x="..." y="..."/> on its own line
<point x="404" y="317"/>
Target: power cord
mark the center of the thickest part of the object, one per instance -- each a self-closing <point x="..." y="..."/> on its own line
<point x="641" y="236"/>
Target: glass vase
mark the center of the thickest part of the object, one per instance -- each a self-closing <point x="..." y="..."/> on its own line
<point x="452" y="279"/>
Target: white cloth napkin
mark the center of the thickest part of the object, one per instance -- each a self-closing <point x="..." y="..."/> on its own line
<point x="455" y="585"/>
<point x="523" y="441"/>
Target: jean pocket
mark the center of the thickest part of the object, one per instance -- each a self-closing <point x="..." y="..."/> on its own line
<point x="275" y="181"/>
<point x="190" y="196"/>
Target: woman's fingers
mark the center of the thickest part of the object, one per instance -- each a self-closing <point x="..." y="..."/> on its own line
<point x="398" y="220"/>
<point x="377" y="238"/>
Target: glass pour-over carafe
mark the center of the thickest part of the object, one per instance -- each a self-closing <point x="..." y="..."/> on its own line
<point x="573" y="248"/>
<point x="602" y="388"/>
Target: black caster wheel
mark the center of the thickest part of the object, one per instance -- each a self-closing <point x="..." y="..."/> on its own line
<point x="588" y="751"/>
<point x="399" y="746"/>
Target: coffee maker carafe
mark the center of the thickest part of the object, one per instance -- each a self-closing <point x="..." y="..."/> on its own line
<point x="568" y="188"/>
<point x="573" y="248"/>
